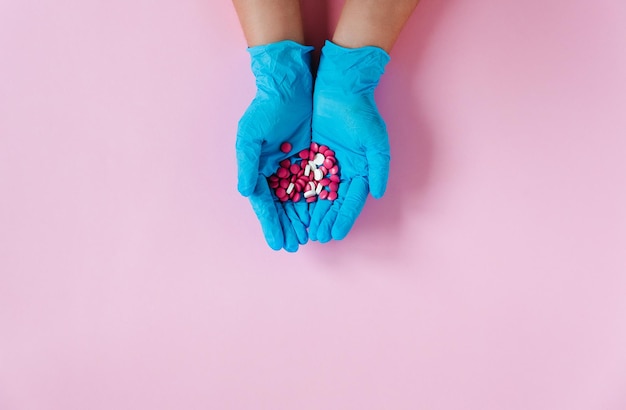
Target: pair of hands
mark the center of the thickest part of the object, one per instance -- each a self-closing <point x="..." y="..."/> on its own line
<point x="341" y="113"/>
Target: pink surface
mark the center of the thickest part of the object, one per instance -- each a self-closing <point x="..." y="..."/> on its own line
<point x="133" y="276"/>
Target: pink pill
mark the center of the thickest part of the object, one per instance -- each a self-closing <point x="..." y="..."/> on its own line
<point x="294" y="169"/>
<point x="334" y="178"/>
<point x="328" y="163"/>
<point x="334" y="170"/>
<point x="324" y="170"/>
<point x="297" y="188"/>
<point x="329" y="153"/>
<point x="325" y="182"/>
<point x="284" y="198"/>
<point x="280" y="192"/>
<point x="285" y="163"/>
<point x="311" y="199"/>
<point x="285" y="147"/>
<point x="311" y="176"/>
<point x="273" y="177"/>
<point x="314" y="147"/>
<point x="333" y="186"/>
<point x="300" y="173"/>
<point x="332" y="196"/>
<point x="282" y="172"/>
<point x="293" y="178"/>
<point x="304" y="154"/>
<point x="324" y="194"/>
<point x="296" y="197"/>
<point x="273" y="184"/>
<point x="322" y="149"/>
<point x="311" y="155"/>
<point x="284" y="183"/>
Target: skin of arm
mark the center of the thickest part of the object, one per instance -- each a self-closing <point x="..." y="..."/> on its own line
<point x="372" y="22"/>
<point x="269" y="21"/>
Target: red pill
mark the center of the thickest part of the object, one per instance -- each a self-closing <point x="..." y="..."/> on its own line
<point x="285" y="163"/>
<point x="322" y="149"/>
<point x="329" y="153"/>
<point x="334" y="170"/>
<point x="311" y="199"/>
<point x="273" y="177"/>
<point x="324" y="170"/>
<point x="284" y="198"/>
<point x="294" y="169"/>
<point x="285" y="147"/>
<point x="296" y="197"/>
<point x="334" y="178"/>
<point x="333" y="186"/>
<point x="332" y="196"/>
<point x="273" y="184"/>
<point x="324" y="194"/>
<point x="314" y="147"/>
<point x="328" y="162"/>
<point x="284" y="183"/>
<point x="280" y="192"/>
<point x="311" y="155"/>
<point x="325" y="182"/>
<point x="304" y="154"/>
<point x="282" y="172"/>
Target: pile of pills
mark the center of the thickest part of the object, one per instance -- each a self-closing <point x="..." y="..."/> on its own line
<point x="313" y="173"/>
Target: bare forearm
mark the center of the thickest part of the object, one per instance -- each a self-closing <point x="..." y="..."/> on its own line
<point x="268" y="21"/>
<point x="372" y="22"/>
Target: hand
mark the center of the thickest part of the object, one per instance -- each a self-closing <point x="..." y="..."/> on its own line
<point x="345" y="118"/>
<point x="280" y="112"/>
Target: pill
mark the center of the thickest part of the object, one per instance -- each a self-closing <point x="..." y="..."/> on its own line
<point x="297" y="188"/>
<point x="322" y="149"/>
<point x="282" y="172"/>
<point x="314" y="147"/>
<point x="318" y="174"/>
<point x="332" y="196"/>
<point x="311" y="155"/>
<point x="330" y="153"/>
<point x="334" y="178"/>
<point x="324" y="194"/>
<point x="293" y="178"/>
<point x="311" y="186"/>
<point x="273" y="184"/>
<point x="313" y="165"/>
<point x="280" y="192"/>
<point x="311" y="175"/>
<point x="324" y="170"/>
<point x="307" y="170"/>
<point x="311" y="199"/>
<point x="333" y="186"/>
<point x="296" y="197"/>
<point x="304" y="154"/>
<point x="334" y="170"/>
<point x="284" y="183"/>
<point x="273" y="177"/>
<point x="324" y="182"/>
<point x="290" y="188"/>
<point x="319" y="188"/>
<point x="328" y="163"/>
<point x="294" y="168"/>
<point x="308" y="194"/>
<point x="284" y="198"/>
<point x="285" y="163"/>
<point x="285" y="147"/>
<point x="318" y="159"/>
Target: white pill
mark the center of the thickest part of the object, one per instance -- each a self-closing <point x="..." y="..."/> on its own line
<point x="318" y="174"/>
<point x="290" y="188"/>
<point x="318" y="159"/>
<point x="307" y="170"/>
<point x="309" y="194"/>
<point x="318" y="189"/>
<point x="311" y="186"/>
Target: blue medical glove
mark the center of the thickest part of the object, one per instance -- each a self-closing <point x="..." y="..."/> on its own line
<point x="345" y="118"/>
<point x="280" y="112"/>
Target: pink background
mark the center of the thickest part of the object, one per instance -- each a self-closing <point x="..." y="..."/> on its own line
<point x="133" y="276"/>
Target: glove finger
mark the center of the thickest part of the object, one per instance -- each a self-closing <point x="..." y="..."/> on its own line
<point x="265" y="210"/>
<point x="291" y="240"/>
<point x="248" y="154"/>
<point x="321" y="207"/>
<point x="297" y="224"/>
<point x="302" y="210"/>
<point x="378" y="164"/>
<point x="351" y="207"/>
<point x="324" y="231"/>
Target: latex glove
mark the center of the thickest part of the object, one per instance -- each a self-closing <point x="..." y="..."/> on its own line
<point x="280" y="111"/>
<point x="346" y="119"/>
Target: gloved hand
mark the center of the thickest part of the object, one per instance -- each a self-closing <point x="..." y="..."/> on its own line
<point x="346" y="119"/>
<point x="280" y="112"/>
